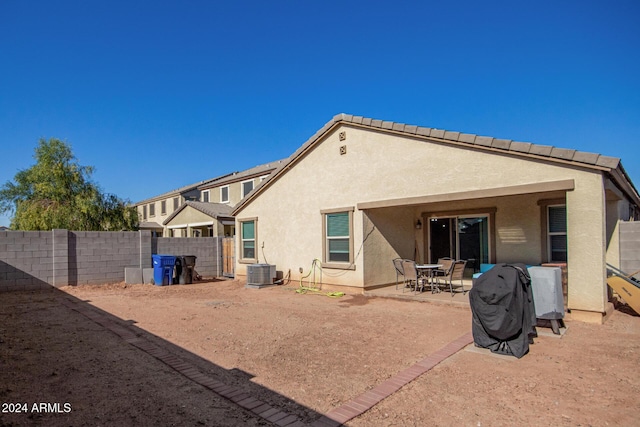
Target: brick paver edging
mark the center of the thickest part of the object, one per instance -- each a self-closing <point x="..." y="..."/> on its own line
<point x="333" y="418"/>
<point x="367" y="400"/>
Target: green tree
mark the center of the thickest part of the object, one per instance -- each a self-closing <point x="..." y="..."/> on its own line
<point x="57" y="192"/>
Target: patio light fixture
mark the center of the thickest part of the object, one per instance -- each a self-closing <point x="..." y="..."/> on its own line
<point x="418" y="225"/>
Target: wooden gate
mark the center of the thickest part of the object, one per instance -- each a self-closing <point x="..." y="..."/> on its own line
<point x="228" y="257"/>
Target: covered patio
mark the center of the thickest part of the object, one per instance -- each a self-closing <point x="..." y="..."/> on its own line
<point x="513" y="224"/>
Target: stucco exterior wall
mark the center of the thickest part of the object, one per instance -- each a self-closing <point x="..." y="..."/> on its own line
<point x="379" y="166"/>
<point x="235" y="191"/>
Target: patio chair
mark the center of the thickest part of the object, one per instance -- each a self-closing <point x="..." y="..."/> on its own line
<point x="456" y="272"/>
<point x="397" y="264"/>
<point x="411" y="276"/>
<point x="447" y="265"/>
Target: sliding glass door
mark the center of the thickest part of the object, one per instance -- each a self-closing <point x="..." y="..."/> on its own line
<point x="460" y="237"/>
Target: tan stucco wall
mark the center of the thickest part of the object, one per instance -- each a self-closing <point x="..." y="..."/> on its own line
<point x="379" y="166"/>
<point x="158" y="217"/>
<point x="189" y="215"/>
<point x="235" y="191"/>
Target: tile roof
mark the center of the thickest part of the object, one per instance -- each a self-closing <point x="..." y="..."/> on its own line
<point x="149" y="224"/>
<point x="178" y="191"/>
<point x="508" y="145"/>
<point x="214" y="210"/>
<point x="517" y="148"/>
<point x="236" y="176"/>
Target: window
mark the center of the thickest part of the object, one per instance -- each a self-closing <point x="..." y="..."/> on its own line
<point x="224" y="194"/>
<point x="248" y="240"/>
<point x="144" y="213"/>
<point x="205" y="196"/>
<point x="176" y="201"/>
<point x="152" y="209"/>
<point x="163" y="207"/>
<point x="557" y="233"/>
<point x="247" y="186"/>
<point x="338" y="238"/>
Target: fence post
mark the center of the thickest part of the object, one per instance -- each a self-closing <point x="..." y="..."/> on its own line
<point x="145" y="249"/>
<point x="61" y="257"/>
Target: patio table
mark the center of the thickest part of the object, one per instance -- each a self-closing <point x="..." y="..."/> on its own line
<point x="427" y="271"/>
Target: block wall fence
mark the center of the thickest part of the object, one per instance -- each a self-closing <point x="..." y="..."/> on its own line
<point x="41" y="259"/>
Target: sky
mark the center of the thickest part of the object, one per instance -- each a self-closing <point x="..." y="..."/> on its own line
<point x="160" y="94"/>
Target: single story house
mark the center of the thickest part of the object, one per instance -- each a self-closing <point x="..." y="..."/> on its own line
<point x="362" y="192"/>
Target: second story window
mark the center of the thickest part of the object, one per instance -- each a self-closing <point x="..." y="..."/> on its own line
<point x="163" y="207"/>
<point x="205" y="196"/>
<point x="224" y="194"/>
<point x="152" y="209"/>
<point x="144" y="213"/>
<point x="175" y="203"/>
<point x="247" y="186"/>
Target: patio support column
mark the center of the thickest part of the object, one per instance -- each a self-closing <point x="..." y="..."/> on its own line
<point x="586" y="240"/>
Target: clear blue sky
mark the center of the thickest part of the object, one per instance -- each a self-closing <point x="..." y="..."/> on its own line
<point x="160" y="94"/>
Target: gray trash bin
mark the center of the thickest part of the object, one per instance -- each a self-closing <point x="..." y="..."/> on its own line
<point x="185" y="266"/>
<point x="189" y="267"/>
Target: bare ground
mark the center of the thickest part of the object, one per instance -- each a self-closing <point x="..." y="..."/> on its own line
<point x="306" y="354"/>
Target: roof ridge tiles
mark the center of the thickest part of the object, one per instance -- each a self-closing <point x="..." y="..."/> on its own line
<point x="509" y="145"/>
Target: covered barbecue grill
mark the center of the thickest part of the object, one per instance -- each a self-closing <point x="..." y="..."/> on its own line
<point x="504" y="315"/>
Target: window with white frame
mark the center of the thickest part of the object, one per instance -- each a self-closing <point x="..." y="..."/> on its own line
<point x="247" y="186"/>
<point x="205" y="196"/>
<point x="557" y="233"/>
<point x="248" y="236"/>
<point x="224" y="194"/>
<point x="338" y="237"/>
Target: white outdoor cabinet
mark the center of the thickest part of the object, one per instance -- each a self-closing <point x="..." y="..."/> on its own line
<point x="546" y="285"/>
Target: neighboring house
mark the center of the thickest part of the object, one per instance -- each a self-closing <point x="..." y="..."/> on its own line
<point x="200" y="219"/>
<point x="231" y="189"/>
<point x="155" y="210"/>
<point x="362" y="192"/>
<point x="3" y="228"/>
<point x="171" y="215"/>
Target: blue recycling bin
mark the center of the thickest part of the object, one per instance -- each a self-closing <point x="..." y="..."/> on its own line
<point x="163" y="269"/>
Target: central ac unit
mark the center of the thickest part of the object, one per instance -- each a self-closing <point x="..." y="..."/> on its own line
<point x="260" y="275"/>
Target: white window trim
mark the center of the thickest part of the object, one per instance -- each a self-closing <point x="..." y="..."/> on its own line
<point x="221" y="199"/>
<point x="208" y="196"/>
<point x="242" y="187"/>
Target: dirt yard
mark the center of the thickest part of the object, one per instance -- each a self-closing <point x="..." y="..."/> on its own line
<point x="306" y="354"/>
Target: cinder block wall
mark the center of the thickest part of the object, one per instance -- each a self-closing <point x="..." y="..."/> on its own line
<point x="206" y="249"/>
<point x="39" y="259"/>
<point x="630" y="247"/>
<point x="26" y="259"/>
<point x="101" y="257"/>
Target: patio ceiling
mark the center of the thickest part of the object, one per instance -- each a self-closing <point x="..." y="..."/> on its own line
<point x="540" y="187"/>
